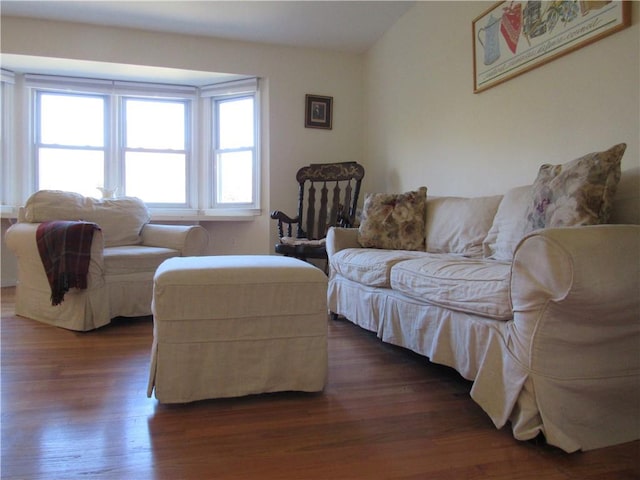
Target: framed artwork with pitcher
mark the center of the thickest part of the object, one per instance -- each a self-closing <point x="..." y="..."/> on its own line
<point x="514" y="37"/>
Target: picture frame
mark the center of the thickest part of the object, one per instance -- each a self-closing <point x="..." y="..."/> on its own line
<point x="318" y="112"/>
<point x="513" y="37"/>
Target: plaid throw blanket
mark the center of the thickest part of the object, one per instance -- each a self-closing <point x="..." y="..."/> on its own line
<point x="65" y="251"/>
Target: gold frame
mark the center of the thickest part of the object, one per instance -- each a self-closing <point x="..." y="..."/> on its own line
<point x="514" y="37"/>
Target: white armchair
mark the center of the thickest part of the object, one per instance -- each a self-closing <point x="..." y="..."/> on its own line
<point x="125" y="253"/>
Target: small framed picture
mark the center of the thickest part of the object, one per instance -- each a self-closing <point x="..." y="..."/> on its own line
<point x="318" y="112"/>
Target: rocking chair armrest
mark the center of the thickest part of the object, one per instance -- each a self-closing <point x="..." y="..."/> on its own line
<point x="283" y="217"/>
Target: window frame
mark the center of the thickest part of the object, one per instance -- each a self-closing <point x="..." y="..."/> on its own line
<point x="211" y="95"/>
<point x="187" y="148"/>
<point x="218" y="151"/>
<point x="36" y="141"/>
<point x="7" y="142"/>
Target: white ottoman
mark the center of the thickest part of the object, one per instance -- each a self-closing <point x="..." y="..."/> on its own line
<point x="227" y="326"/>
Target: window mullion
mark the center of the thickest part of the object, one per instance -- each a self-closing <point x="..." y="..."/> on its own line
<point x="112" y="177"/>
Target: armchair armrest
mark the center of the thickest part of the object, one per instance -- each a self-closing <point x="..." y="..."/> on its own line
<point x="20" y="238"/>
<point x="340" y="238"/>
<point x="190" y="240"/>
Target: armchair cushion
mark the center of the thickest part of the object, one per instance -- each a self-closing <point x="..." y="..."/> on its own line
<point x="133" y="259"/>
<point x="121" y="219"/>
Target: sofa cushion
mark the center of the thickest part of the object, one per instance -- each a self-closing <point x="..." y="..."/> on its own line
<point x="369" y="266"/>
<point x="394" y="221"/>
<point x="576" y="193"/>
<point x="123" y="260"/>
<point x="120" y="219"/>
<point x="473" y="285"/>
<point x="459" y="225"/>
<point x="509" y="224"/>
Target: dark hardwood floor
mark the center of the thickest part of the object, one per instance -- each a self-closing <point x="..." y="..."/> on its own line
<point x="74" y="406"/>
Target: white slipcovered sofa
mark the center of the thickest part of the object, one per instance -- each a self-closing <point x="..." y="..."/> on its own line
<point x="125" y="253"/>
<point x="544" y="321"/>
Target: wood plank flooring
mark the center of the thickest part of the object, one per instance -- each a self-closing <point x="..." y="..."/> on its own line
<point x="74" y="406"/>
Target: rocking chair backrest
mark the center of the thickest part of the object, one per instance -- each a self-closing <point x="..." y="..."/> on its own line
<point x="332" y="191"/>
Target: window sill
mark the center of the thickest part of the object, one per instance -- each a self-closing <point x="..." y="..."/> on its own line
<point x="226" y="215"/>
<point x="168" y="215"/>
<point x="8" y="211"/>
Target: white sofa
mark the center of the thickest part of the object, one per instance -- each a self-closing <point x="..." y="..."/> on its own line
<point x="125" y="253"/>
<point x="546" y="323"/>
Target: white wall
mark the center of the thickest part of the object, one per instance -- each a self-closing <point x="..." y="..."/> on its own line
<point x="290" y="73"/>
<point x="425" y="126"/>
<point x="406" y="109"/>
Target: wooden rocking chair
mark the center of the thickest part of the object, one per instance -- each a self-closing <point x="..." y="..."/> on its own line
<point x="331" y="191"/>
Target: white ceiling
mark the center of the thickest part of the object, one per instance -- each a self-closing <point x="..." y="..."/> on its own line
<point x="348" y="26"/>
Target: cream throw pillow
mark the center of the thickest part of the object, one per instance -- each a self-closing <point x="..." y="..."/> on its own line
<point x="459" y="225"/>
<point x="508" y="225"/>
<point x="394" y="221"/>
<point x="120" y="219"/>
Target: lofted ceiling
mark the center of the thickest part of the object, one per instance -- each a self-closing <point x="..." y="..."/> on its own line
<point x="347" y="26"/>
<point x="344" y="26"/>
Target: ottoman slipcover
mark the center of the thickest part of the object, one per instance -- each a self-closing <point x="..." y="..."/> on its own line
<point x="228" y="326"/>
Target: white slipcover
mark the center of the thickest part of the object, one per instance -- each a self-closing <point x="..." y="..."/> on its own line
<point x="120" y="279"/>
<point x="560" y="355"/>
<point x="236" y="325"/>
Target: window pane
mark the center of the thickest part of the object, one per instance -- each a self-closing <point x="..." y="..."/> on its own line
<point x="235" y="123"/>
<point x="74" y="120"/>
<point x="80" y="171"/>
<point x="235" y="174"/>
<point x="155" y="124"/>
<point x="156" y="177"/>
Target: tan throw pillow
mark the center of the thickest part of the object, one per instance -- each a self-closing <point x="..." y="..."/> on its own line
<point x="394" y="221"/>
<point x="576" y="193"/>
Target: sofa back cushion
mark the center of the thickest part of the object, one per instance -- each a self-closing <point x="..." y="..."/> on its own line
<point x="626" y="203"/>
<point x="509" y="224"/>
<point x="459" y="225"/>
<point x="120" y="219"/>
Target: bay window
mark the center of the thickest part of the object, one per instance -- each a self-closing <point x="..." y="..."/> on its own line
<point x="186" y="151"/>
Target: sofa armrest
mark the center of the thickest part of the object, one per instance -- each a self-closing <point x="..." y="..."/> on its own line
<point x="340" y="238"/>
<point x="576" y="303"/>
<point x="190" y="240"/>
<point x="568" y="363"/>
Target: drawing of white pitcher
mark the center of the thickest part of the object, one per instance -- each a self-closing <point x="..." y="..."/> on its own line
<point x="491" y="43"/>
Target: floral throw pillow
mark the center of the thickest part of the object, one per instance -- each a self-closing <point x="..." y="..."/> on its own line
<point x="576" y="193"/>
<point x="394" y="221"/>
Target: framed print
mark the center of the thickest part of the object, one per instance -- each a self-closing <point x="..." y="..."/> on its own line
<point x="318" y="112"/>
<point x="516" y="36"/>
